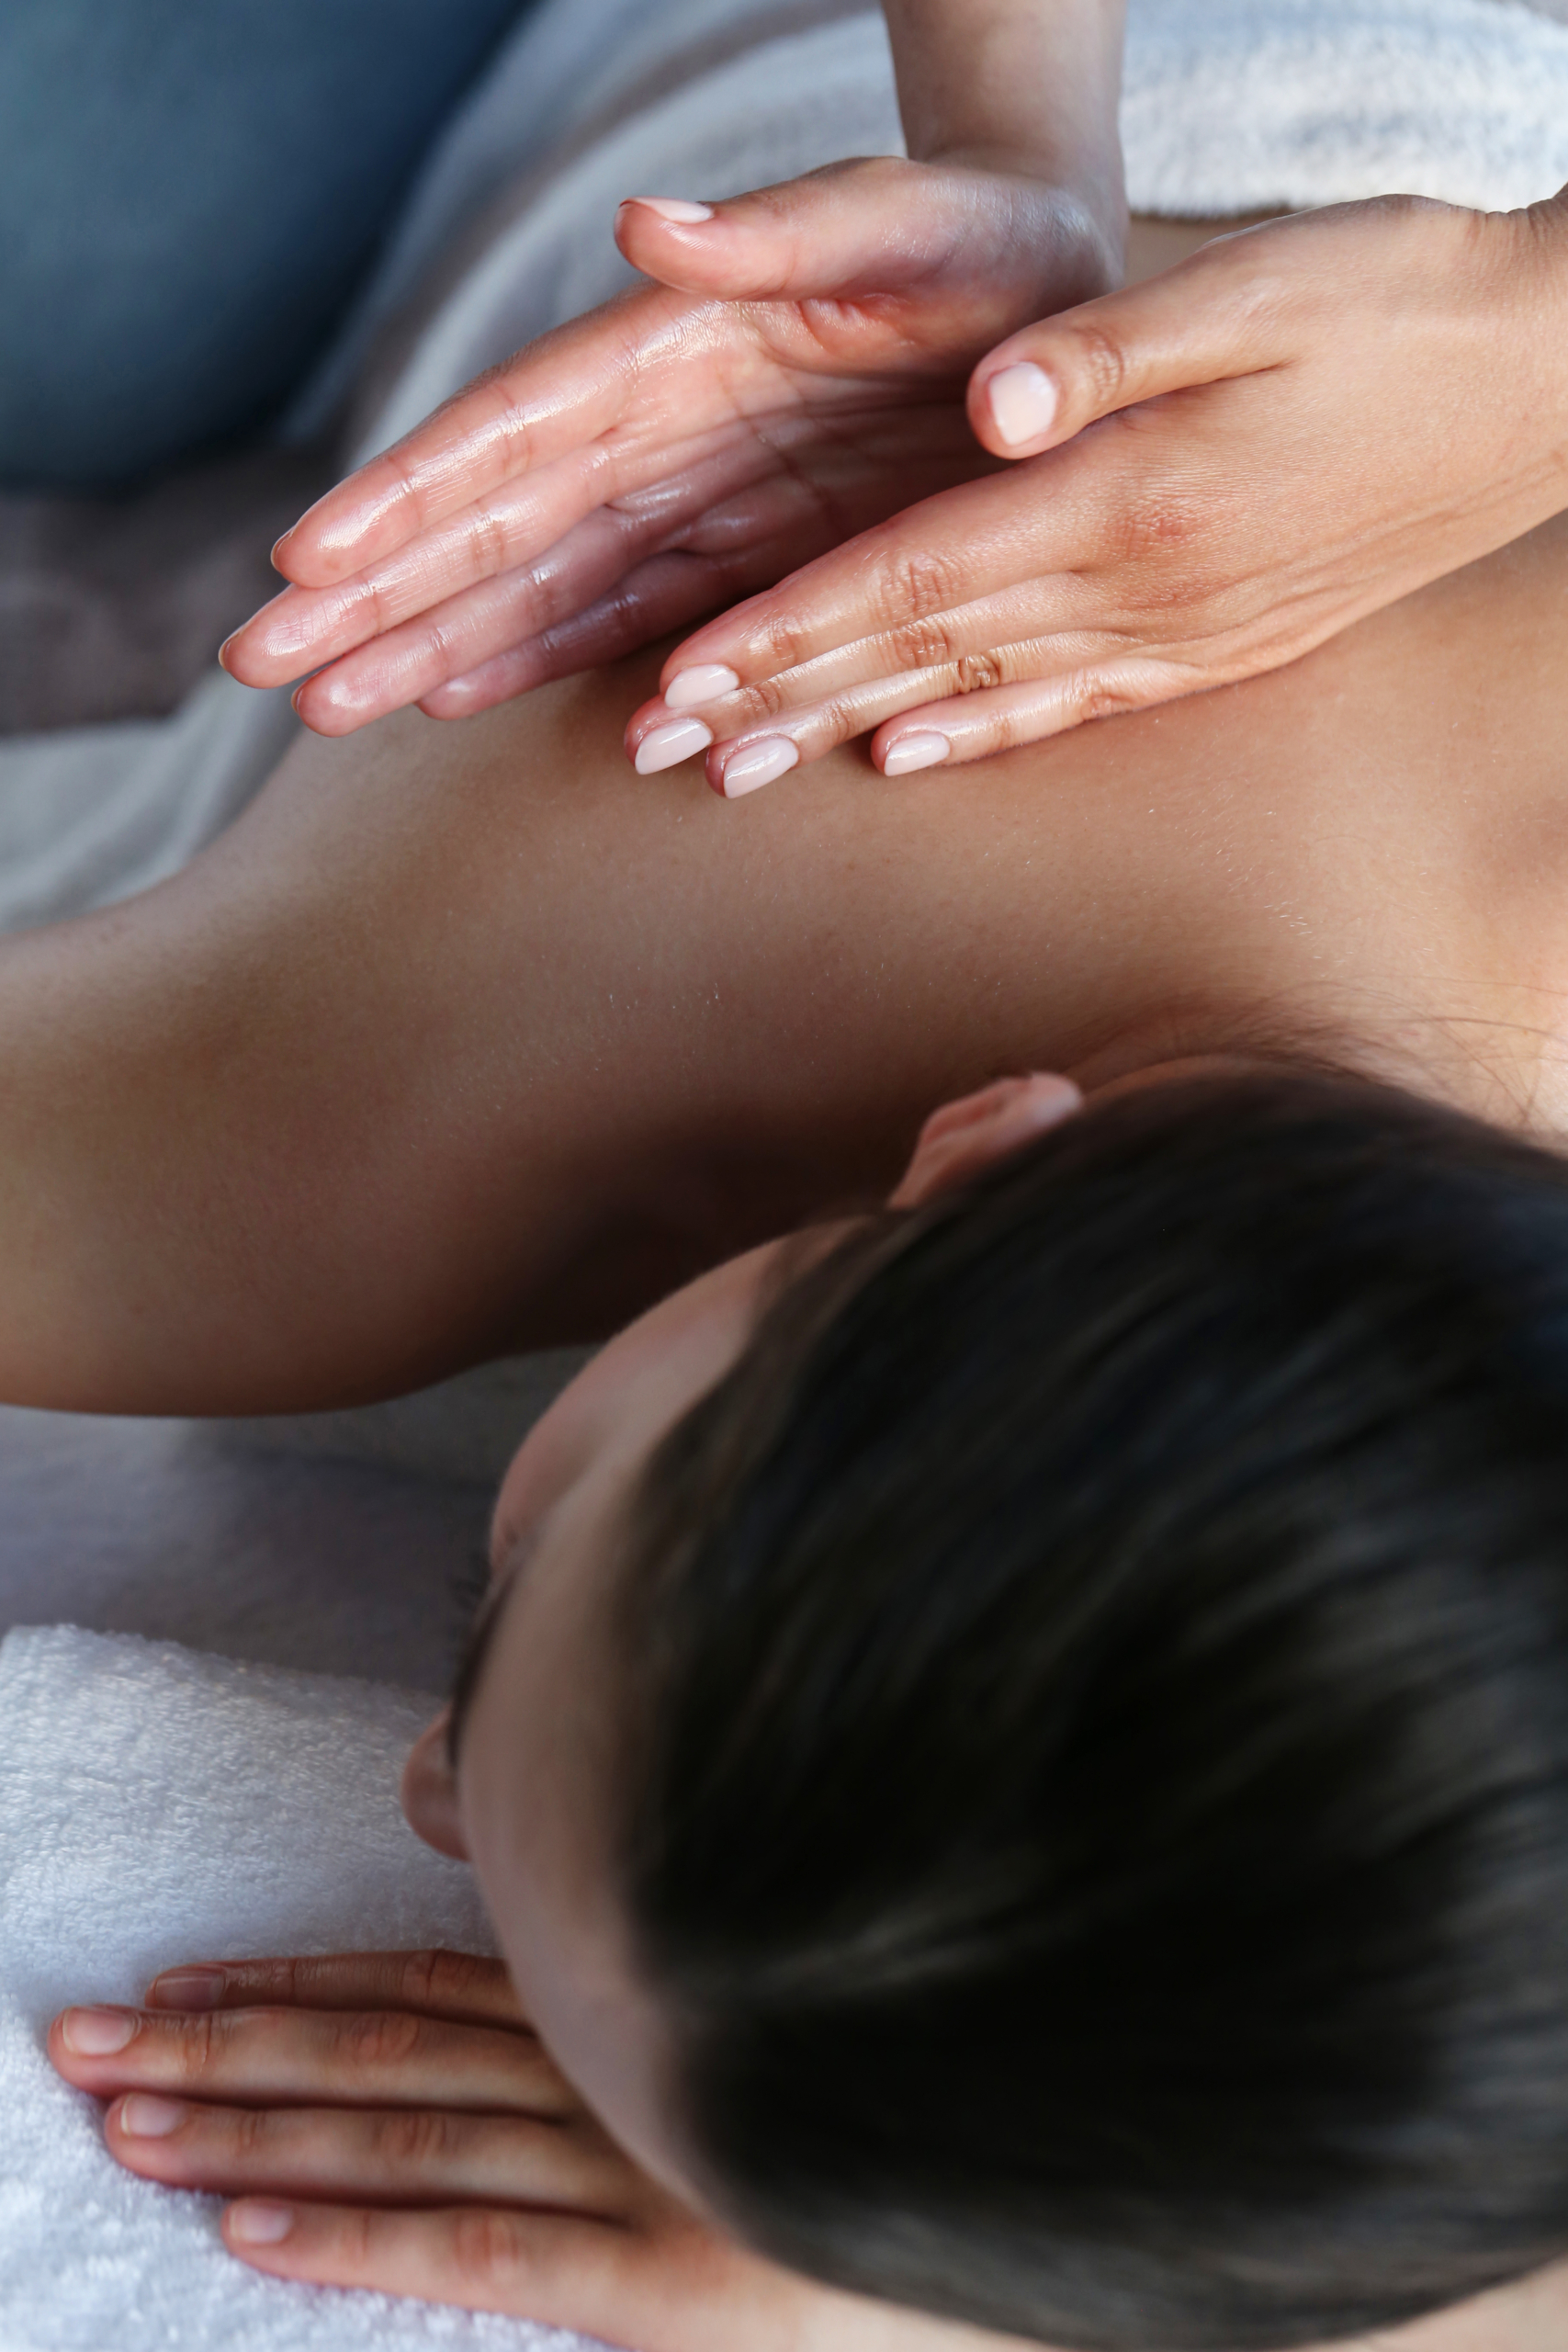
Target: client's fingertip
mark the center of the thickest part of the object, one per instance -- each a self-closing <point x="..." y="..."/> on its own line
<point x="186" y="1988"/>
<point x="258" y="2222"/>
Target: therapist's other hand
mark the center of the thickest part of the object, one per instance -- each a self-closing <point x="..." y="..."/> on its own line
<point x="797" y="375"/>
<point x="388" y="2120"/>
<point x="1217" y="469"/>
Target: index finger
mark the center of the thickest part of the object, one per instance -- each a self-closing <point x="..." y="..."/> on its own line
<point x="884" y="601"/>
<point x="542" y="403"/>
<point x="459" y="1986"/>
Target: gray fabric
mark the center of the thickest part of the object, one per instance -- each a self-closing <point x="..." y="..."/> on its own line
<point x="112" y="608"/>
<point x="177" y="1531"/>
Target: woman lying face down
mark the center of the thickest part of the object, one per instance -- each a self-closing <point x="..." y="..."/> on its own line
<point x="1017" y="1756"/>
<point x="1035" y="1803"/>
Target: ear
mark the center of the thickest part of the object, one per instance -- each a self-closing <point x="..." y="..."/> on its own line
<point x="430" y="1793"/>
<point x="963" y="1137"/>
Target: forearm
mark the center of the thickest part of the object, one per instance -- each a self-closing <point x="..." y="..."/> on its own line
<point x="1034" y="82"/>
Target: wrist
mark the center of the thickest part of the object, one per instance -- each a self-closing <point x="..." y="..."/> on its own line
<point x="1084" y="205"/>
<point x="1090" y="179"/>
<point x="1028" y="86"/>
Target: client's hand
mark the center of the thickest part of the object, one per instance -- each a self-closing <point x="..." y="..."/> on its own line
<point x="386" y="2119"/>
<point x="798" y="376"/>
<point x="1221" y="467"/>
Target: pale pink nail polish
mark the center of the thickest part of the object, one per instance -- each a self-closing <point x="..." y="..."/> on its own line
<point x="97" y="2033"/>
<point x="923" y="748"/>
<point x="667" y="746"/>
<point x="144" y="2117"/>
<point x="758" y="764"/>
<point x="1023" y="402"/>
<point x="703" y="682"/>
<point x="256" y="2222"/>
<point x="675" y="207"/>
<point x="186" y="1988"/>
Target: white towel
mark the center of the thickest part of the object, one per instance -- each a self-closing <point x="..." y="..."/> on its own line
<point x="1231" y="106"/>
<point x="158" y="1805"/>
<point x="1240" y="105"/>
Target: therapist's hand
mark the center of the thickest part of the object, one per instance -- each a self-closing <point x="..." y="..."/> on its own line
<point x="797" y="375"/>
<point x="388" y="2121"/>
<point x="1214" y="471"/>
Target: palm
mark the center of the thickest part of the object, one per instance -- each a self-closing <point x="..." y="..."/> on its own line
<point x="660" y="457"/>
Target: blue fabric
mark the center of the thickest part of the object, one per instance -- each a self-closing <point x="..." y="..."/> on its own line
<point x="189" y="191"/>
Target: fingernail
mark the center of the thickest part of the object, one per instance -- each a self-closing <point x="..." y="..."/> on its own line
<point x="922" y="749"/>
<point x="675" y="207"/>
<point x="1023" y="401"/>
<point x="282" y="542"/>
<point x="256" y="2223"/>
<point x="186" y="1988"/>
<point x="668" y="745"/>
<point x="758" y="764"/>
<point x="703" y="682"/>
<point x="97" y="2033"/>
<point x="143" y="2117"/>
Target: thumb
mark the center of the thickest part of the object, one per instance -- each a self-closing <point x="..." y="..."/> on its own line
<point x="873" y="225"/>
<point x="1213" y="316"/>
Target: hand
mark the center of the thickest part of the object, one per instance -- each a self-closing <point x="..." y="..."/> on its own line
<point x="1219" y="469"/>
<point x="388" y="2121"/>
<point x="797" y="375"/>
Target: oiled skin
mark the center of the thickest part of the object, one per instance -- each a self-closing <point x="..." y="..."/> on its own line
<point x="467" y="1039"/>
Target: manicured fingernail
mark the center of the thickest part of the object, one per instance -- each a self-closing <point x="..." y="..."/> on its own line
<point x="97" y="2033"/>
<point x="703" y="682"/>
<point x="143" y="2117"/>
<point x="256" y="2222"/>
<point x="758" y="764"/>
<point x="667" y="746"/>
<point x="186" y="1988"/>
<point x="1023" y="402"/>
<point x="675" y="207"/>
<point x="922" y="749"/>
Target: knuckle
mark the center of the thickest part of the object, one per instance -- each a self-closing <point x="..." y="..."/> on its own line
<point x="923" y="644"/>
<point x="976" y="672"/>
<point x="783" y="641"/>
<point x="764" y="699"/>
<point x="430" y="1978"/>
<point x="198" y="2043"/>
<point x="1159" y="525"/>
<point x="1099" y="699"/>
<point x="358" y="2240"/>
<point x="413" y="2140"/>
<point x="386" y="2038"/>
<point x="912" y="584"/>
<point x="254" y="2134"/>
<point x="487" y="544"/>
<point x="488" y="2246"/>
<point x="1101" y="360"/>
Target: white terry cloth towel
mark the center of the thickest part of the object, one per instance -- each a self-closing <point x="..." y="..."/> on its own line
<point x="155" y="1805"/>
<point x="1230" y="105"/>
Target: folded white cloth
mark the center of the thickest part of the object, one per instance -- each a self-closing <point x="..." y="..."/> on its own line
<point x="158" y="1805"/>
<point x="1240" y="105"/>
